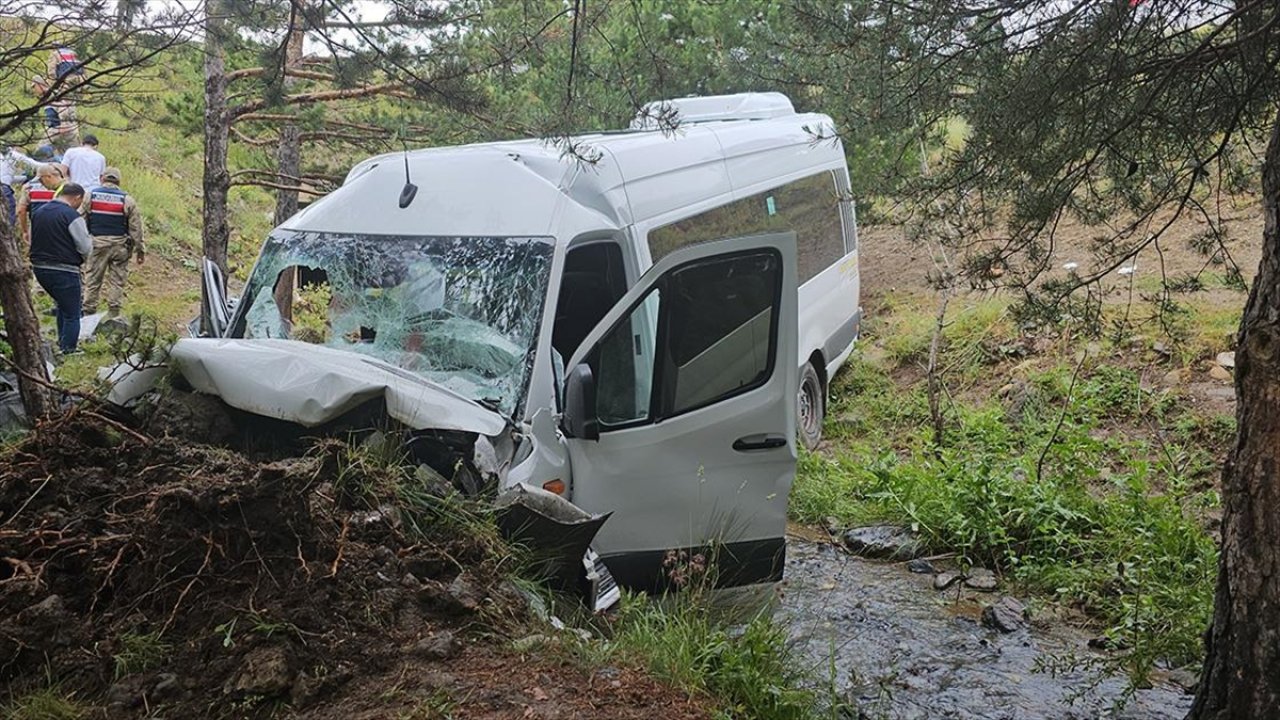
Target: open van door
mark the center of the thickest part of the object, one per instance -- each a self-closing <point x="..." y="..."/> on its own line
<point x="680" y="414"/>
<point x="215" y="310"/>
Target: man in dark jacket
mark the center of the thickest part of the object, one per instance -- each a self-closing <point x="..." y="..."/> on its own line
<point x="60" y="243"/>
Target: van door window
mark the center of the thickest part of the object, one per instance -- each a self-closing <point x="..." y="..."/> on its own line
<point x="625" y="365"/>
<point x="714" y="325"/>
<point x="810" y="207"/>
<point x="721" y="329"/>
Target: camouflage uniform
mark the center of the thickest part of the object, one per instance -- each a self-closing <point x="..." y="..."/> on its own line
<point x="116" y="227"/>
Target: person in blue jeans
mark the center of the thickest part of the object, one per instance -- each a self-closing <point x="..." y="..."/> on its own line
<point x="60" y="244"/>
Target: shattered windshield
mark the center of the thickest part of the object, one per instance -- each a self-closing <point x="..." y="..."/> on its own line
<point x="460" y="311"/>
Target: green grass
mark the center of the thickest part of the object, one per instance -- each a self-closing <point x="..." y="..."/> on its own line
<point x="49" y="703"/>
<point x="747" y="668"/>
<point x="139" y="652"/>
<point x="1107" y="521"/>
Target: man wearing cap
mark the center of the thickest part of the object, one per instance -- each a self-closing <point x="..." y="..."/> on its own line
<point x="85" y="163"/>
<point x="41" y="191"/>
<point x="116" y="227"/>
<point x="60" y="243"/>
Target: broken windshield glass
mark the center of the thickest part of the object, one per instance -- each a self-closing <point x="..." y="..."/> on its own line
<point x="459" y="311"/>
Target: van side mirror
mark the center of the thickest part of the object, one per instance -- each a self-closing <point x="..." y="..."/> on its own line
<point x="579" y="418"/>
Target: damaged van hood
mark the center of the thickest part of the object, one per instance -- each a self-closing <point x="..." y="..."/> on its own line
<point x="312" y="384"/>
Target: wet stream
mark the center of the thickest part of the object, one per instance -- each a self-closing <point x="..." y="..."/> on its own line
<point x="898" y="649"/>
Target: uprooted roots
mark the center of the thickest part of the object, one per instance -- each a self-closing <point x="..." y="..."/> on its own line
<point x="204" y="578"/>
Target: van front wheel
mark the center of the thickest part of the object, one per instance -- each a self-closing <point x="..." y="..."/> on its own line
<point x="811" y="406"/>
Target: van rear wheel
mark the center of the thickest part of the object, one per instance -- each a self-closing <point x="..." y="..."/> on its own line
<point x="811" y="407"/>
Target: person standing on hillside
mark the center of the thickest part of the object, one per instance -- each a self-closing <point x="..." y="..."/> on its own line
<point x="14" y="165"/>
<point x="60" y="243"/>
<point x="116" y="227"/>
<point x="41" y="191"/>
<point x="85" y="163"/>
<point x="61" y="127"/>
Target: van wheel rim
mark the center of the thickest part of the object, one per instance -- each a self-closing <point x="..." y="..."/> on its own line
<point x="808" y="402"/>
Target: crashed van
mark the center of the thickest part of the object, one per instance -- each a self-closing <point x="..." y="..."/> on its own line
<point x="645" y="334"/>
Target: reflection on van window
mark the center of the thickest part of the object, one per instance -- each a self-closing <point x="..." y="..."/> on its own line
<point x="720" y="320"/>
<point x="460" y="311"/>
<point x="810" y="207"/>
<point x="722" y="327"/>
<point x="625" y="367"/>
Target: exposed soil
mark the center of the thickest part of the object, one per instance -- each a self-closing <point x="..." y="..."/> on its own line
<point x="892" y="264"/>
<point x="146" y="573"/>
<point x="894" y="269"/>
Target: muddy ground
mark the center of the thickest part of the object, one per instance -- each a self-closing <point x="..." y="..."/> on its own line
<point x="147" y="576"/>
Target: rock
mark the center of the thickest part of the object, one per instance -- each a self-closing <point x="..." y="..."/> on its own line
<point x="464" y="593"/>
<point x="166" y="688"/>
<point x="1161" y="348"/>
<point x="305" y="690"/>
<point x="460" y="597"/>
<point x="383" y="555"/>
<point x="1217" y="372"/>
<point x="1173" y="378"/>
<point x="529" y="643"/>
<point x="1006" y="615"/>
<point x="944" y="580"/>
<point x="981" y="579"/>
<point x="264" y="671"/>
<point x="889" y="542"/>
<point x="832" y="525"/>
<point x="409" y="580"/>
<point x="1227" y="359"/>
<point x="440" y="646"/>
<point x="432" y="482"/>
<point x="1185" y="679"/>
<point x="920" y="566"/>
<point x="1102" y="642"/>
<point x="126" y="692"/>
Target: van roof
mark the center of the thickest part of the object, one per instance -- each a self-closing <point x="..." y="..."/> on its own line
<point x="533" y="188"/>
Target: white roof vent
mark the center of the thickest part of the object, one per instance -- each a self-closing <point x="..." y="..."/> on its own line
<point x="743" y="106"/>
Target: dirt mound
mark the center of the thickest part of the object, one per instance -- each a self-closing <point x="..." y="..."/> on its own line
<point x="140" y="572"/>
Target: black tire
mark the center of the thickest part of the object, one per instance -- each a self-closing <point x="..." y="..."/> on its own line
<point x="811" y="407"/>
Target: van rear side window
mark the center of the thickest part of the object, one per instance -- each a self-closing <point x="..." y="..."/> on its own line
<point x="810" y="207"/>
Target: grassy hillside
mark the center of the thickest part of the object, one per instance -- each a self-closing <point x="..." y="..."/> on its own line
<point x="161" y="161"/>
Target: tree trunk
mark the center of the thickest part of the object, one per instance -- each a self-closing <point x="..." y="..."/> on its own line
<point x="289" y="165"/>
<point x="21" y="324"/>
<point x="289" y="152"/>
<point x="125" y="11"/>
<point x="216" y="232"/>
<point x="1241" y="677"/>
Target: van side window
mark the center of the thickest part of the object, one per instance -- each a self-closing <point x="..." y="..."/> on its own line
<point x="705" y="334"/>
<point x="810" y="207"/>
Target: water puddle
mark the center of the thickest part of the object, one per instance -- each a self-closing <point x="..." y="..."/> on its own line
<point x="899" y="650"/>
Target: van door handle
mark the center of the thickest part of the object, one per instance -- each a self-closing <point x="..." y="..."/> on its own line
<point x="759" y="442"/>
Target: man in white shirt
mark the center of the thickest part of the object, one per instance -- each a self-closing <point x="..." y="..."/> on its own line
<point x="14" y="166"/>
<point x="85" y="163"/>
